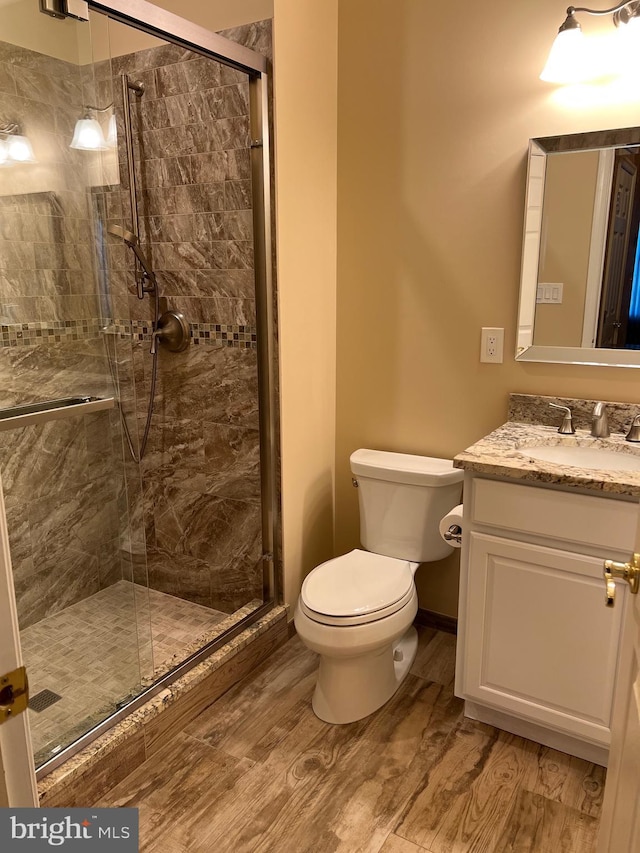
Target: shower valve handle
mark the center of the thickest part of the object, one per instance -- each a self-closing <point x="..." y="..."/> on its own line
<point x="172" y="331"/>
<point x="157" y="333"/>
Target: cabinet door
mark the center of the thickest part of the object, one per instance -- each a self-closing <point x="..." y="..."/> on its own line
<point x="540" y="643"/>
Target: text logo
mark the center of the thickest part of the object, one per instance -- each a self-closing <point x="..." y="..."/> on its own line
<point x="86" y="830"/>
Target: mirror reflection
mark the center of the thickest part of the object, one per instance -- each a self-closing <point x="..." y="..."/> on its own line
<point x="580" y="287"/>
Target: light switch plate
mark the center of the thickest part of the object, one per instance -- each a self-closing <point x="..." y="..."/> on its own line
<point x="549" y="293"/>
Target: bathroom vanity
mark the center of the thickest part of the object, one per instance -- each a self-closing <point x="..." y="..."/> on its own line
<point x="537" y="646"/>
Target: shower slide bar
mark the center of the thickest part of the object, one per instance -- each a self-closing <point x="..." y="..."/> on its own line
<point x="51" y="410"/>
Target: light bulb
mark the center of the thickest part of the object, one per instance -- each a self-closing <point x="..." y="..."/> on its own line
<point x="19" y="149"/>
<point x="631" y="31"/>
<point x="567" y="60"/>
<point x="88" y="135"/>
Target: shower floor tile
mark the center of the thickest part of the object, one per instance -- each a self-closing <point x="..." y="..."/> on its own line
<point x="98" y="652"/>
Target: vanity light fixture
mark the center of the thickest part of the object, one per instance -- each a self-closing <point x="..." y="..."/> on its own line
<point x="569" y="60"/>
<point x="14" y="147"/>
<point x="88" y="135"/>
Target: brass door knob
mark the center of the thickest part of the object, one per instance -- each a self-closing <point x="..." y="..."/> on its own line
<point x="629" y="572"/>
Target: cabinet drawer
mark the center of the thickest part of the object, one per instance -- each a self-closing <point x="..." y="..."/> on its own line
<point x="563" y="516"/>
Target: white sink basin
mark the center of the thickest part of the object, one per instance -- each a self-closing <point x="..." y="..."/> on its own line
<point x="583" y="457"/>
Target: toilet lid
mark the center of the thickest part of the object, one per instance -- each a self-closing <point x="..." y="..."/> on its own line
<point x="356" y="584"/>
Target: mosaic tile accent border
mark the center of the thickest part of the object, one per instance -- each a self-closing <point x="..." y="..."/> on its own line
<point x="52" y="331"/>
<point x="201" y="333"/>
<point x="61" y="331"/>
<point x="232" y="336"/>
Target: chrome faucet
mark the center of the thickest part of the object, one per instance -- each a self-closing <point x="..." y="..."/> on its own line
<point x="599" y="422"/>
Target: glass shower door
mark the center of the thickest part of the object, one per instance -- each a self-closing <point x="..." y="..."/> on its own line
<point x="127" y="572"/>
<point x="72" y="493"/>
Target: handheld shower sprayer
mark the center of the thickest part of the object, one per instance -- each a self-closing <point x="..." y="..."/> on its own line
<point x="148" y="275"/>
<point x="170" y="327"/>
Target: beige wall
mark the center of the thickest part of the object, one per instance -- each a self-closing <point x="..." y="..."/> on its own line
<point x="435" y="112"/>
<point x="569" y="198"/>
<point x="220" y="14"/>
<point x="305" y="40"/>
<point x="22" y="23"/>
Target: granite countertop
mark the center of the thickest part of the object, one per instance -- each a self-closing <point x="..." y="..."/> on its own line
<point x="502" y="453"/>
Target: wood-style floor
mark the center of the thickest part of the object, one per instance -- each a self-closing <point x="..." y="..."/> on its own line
<point x="257" y="771"/>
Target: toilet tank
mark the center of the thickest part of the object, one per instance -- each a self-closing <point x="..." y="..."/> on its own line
<point x="402" y="499"/>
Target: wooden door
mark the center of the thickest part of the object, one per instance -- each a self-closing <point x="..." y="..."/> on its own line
<point x="612" y="319"/>
<point x="620" y="824"/>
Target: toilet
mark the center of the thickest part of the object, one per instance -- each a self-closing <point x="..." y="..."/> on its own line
<point x="356" y="611"/>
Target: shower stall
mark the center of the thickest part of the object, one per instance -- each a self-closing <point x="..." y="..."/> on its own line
<point x="138" y="449"/>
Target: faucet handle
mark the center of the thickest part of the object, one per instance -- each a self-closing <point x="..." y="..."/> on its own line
<point x="634" y="430"/>
<point x="566" y="427"/>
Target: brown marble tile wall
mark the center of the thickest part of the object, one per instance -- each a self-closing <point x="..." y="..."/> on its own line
<point x="61" y="504"/>
<point x="47" y="236"/>
<point x="62" y="479"/>
<point x="201" y="474"/>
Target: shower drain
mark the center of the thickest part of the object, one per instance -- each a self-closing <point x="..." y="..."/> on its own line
<point x="43" y="700"/>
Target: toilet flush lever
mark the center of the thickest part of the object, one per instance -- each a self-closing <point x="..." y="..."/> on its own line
<point x="629" y="572"/>
<point x="453" y="534"/>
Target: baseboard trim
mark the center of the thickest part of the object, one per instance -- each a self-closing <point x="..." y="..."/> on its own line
<point x="594" y="753"/>
<point x="439" y="621"/>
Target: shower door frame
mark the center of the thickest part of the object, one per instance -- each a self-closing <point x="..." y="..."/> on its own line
<point x="169" y="27"/>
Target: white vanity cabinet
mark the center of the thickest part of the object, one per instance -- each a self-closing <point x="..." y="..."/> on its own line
<point x="537" y="647"/>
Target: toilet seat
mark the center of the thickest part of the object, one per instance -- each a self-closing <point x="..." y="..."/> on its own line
<point x="357" y="588"/>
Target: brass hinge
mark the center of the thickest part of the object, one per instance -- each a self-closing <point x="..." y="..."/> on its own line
<point x="14" y="694"/>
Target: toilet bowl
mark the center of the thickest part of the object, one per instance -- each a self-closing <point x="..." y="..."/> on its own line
<point x="368" y="646"/>
<point x="356" y="611"/>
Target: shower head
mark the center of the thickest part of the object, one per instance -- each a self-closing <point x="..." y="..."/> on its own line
<point x="130" y="239"/>
<point x="128" y="236"/>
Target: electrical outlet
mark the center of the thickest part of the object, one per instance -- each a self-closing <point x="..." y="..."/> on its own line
<point x="492" y="345"/>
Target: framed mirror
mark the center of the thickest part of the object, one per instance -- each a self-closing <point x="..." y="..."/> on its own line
<point x="580" y="279"/>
